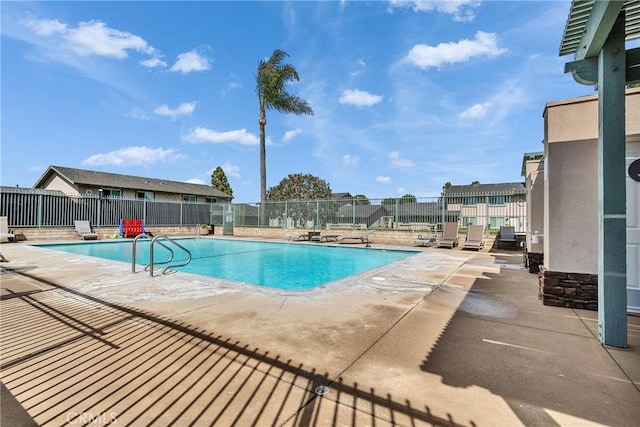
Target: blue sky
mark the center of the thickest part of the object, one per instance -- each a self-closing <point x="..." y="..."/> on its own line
<point x="407" y="95"/>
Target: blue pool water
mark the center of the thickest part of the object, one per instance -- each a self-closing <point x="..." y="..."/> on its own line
<point x="275" y="265"/>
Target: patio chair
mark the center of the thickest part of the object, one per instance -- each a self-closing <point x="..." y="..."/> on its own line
<point x="425" y="240"/>
<point x="83" y="230"/>
<point x="324" y="238"/>
<point x="299" y="237"/>
<point x="508" y="235"/>
<point x="475" y="237"/>
<point x="5" y="234"/>
<point x="449" y="236"/>
<point x="363" y="238"/>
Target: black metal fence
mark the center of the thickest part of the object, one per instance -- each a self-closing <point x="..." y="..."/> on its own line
<point x="36" y="208"/>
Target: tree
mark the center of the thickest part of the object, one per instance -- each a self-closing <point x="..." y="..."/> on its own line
<point x="271" y="78"/>
<point x="446" y="186"/>
<point x="302" y="193"/>
<point x="475" y="182"/>
<point x="219" y="181"/>
<point x="408" y="198"/>
<point x="361" y="199"/>
<point x="300" y="187"/>
<point x="389" y="201"/>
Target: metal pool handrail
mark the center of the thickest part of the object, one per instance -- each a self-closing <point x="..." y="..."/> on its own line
<point x="133" y="250"/>
<point x="164" y="271"/>
<point x="151" y="262"/>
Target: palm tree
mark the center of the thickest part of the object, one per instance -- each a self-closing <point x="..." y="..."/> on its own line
<point x="270" y="85"/>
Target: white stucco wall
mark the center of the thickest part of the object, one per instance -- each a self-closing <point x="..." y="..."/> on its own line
<point x="571" y="180"/>
<point x="571" y="207"/>
<point x="535" y="203"/>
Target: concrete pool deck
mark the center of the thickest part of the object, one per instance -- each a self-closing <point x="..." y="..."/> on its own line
<point x="447" y="337"/>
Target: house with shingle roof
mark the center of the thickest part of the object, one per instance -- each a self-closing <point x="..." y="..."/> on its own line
<point x="81" y="182"/>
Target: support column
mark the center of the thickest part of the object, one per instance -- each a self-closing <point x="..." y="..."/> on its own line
<point x="612" y="268"/>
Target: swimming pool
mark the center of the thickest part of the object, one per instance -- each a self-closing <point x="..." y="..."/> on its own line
<point x="275" y="265"/>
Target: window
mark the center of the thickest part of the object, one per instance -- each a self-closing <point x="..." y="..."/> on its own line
<point x="469" y="200"/>
<point x="496" y="200"/>
<point x="111" y="193"/>
<point x="496" y="221"/>
<point x="146" y="195"/>
<point x="189" y="198"/>
<point x="210" y="200"/>
<point x="468" y="220"/>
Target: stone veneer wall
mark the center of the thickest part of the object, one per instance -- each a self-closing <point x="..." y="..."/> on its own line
<point x="534" y="261"/>
<point x="571" y="290"/>
<point x="68" y="233"/>
<point x="388" y="237"/>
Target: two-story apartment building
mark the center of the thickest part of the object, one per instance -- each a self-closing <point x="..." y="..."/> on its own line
<point x="491" y="205"/>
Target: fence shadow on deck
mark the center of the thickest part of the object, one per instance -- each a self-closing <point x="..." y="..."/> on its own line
<point x="71" y="358"/>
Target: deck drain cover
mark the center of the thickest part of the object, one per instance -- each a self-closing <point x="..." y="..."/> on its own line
<point x="321" y="390"/>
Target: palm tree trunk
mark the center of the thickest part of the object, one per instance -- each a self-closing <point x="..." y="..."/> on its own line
<point x="263" y="170"/>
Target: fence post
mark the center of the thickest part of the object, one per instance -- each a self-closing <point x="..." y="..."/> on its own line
<point x="353" y="213"/>
<point x="99" y="213"/>
<point x="39" y="211"/>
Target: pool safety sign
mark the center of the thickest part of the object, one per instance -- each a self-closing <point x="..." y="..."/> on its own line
<point x="634" y="170"/>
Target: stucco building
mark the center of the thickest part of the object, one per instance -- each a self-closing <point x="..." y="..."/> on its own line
<point x="564" y="203"/>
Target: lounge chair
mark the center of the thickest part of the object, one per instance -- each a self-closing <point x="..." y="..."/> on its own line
<point x="363" y="238"/>
<point x="83" y="230"/>
<point x="475" y="237"/>
<point x="298" y="237"/>
<point x="5" y="234"/>
<point x="425" y="240"/>
<point x="508" y="235"/>
<point x="449" y="236"/>
<point x="324" y="237"/>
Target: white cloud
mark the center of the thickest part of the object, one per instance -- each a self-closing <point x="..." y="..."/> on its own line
<point x="93" y="38"/>
<point x="195" y="181"/>
<point x="476" y="111"/>
<point x="134" y="156"/>
<point x="184" y="109"/>
<point x="231" y="170"/>
<point x="349" y="160"/>
<point x="398" y="162"/>
<point x="45" y="27"/>
<point x="138" y="115"/>
<point x="383" y="179"/>
<point x="362" y="65"/>
<point x="425" y="56"/>
<point x="230" y="87"/>
<point x="462" y="10"/>
<point x="291" y="134"/>
<point x="153" y="62"/>
<point x="191" y="61"/>
<point x="202" y="134"/>
<point x="359" y="98"/>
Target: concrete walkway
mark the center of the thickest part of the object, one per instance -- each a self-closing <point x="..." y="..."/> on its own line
<point x="443" y="338"/>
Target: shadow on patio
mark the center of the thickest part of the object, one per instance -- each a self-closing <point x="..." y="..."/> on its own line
<point x="70" y="358"/>
<point x="545" y="362"/>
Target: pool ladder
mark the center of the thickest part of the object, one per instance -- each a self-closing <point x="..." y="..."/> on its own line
<point x="160" y="240"/>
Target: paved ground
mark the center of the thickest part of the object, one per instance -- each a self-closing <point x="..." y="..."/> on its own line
<point x="443" y="338"/>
